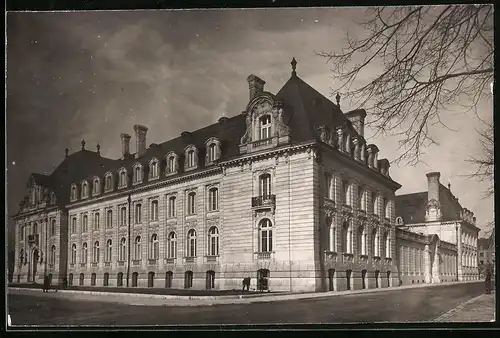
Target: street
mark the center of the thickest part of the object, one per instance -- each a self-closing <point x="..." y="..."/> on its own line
<point x="409" y="305"/>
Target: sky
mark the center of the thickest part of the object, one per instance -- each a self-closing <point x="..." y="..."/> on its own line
<point x="93" y="75"/>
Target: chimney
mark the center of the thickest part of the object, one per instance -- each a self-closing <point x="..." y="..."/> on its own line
<point x="256" y="85"/>
<point x="372" y="156"/>
<point x="433" y="186"/>
<point x="125" y="144"/>
<point x="140" y="135"/>
<point x="357" y="118"/>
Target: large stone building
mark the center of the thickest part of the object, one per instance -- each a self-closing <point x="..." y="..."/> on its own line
<point x="486" y="249"/>
<point x="287" y="190"/>
<point x="436" y="236"/>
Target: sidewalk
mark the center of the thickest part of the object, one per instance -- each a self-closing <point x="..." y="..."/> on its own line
<point x="177" y="300"/>
<point x="478" y="309"/>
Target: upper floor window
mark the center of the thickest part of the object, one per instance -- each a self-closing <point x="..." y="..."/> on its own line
<point x="328" y="185"/>
<point x="73" y="254"/>
<point x="213" y="241"/>
<point x="109" y="250"/>
<point x="108" y="184"/>
<point x="265" y="127"/>
<point x="361" y="199"/>
<point x="52" y="198"/>
<point x="171" y="163"/>
<point x="95" y="187"/>
<point x="265" y="235"/>
<point x="35" y="228"/>
<point x="84" y="253"/>
<point x="213" y="199"/>
<point x="137" y="248"/>
<point x="95" y="252"/>
<point x="97" y="220"/>
<point x="138" y="174"/>
<point x="53" y="227"/>
<point x="172" y="245"/>
<point x="154" y="169"/>
<point x="85" y="223"/>
<point x="109" y="219"/>
<point x="123" y="178"/>
<point x="123" y="216"/>
<point x="191" y="243"/>
<point x="85" y="191"/>
<point x="191" y="203"/>
<point x="171" y="206"/>
<point x="265" y="185"/>
<point x="374" y="203"/>
<point x="52" y="257"/>
<point x="73" y="225"/>
<point x="138" y="213"/>
<point x="154" y="210"/>
<point x="345" y="192"/>
<point x="386" y="208"/>
<point x="73" y="192"/>
<point x="123" y="250"/>
<point x="154" y="248"/>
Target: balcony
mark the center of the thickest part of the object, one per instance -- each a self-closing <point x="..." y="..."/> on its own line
<point x="83" y="265"/>
<point x="266" y="201"/>
<point x="170" y="260"/>
<point x="363" y="258"/>
<point x="348" y="257"/>
<point x="107" y="264"/>
<point x="121" y="263"/>
<point x="93" y="264"/>
<point x="267" y="255"/>
<point x="189" y="259"/>
<point x="136" y="262"/>
<point x="330" y="256"/>
<point x="388" y="260"/>
<point x="261" y="143"/>
<point x="152" y="261"/>
<point x="211" y="259"/>
<point x="34" y="239"/>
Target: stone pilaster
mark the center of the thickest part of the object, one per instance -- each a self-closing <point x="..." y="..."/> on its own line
<point x="427" y="264"/>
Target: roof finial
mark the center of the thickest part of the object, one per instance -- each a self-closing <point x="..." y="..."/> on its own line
<point x="449" y="186"/>
<point x="98" y="148"/>
<point x="294" y="66"/>
<point x="66" y="151"/>
<point x="83" y="144"/>
<point x="338" y="99"/>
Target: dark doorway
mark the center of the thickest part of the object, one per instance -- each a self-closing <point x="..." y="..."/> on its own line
<point x="93" y="278"/>
<point x="389" y="284"/>
<point x="119" y="279"/>
<point x="263" y="276"/>
<point x="70" y="279"/>
<point x="50" y="279"/>
<point x="105" y="281"/>
<point x="82" y="279"/>
<point x="151" y="279"/>
<point x="348" y="275"/>
<point x="188" y="279"/>
<point x="210" y="279"/>
<point x="363" y="279"/>
<point x="168" y="279"/>
<point x="135" y="277"/>
<point x="331" y="280"/>
<point x="19" y="278"/>
<point x="377" y="277"/>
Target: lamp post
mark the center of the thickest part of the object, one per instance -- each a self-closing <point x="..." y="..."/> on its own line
<point x="129" y="200"/>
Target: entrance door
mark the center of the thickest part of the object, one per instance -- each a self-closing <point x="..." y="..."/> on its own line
<point x="348" y="274"/>
<point x="331" y="278"/>
<point x="363" y="279"/>
<point x="210" y="280"/>
<point x="377" y="277"/>
<point x="263" y="279"/>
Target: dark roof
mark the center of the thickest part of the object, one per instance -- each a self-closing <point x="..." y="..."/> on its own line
<point x="411" y="207"/>
<point x="40" y="179"/>
<point x="483" y="243"/>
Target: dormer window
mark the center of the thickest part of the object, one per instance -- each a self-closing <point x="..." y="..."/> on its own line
<point x="191" y="161"/>
<point x="85" y="192"/>
<point x="137" y="173"/>
<point x="108" y="182"/>
<point x="399" y="220"/>
<point x="52" y="198"/>
<point x="265" y="127"/>
<point x="154" y="169"/>
<point x="95" y="186"/>
<point x="122" y="178"/>
<point x="213" y="150"/>
<point x="73" y="193"/>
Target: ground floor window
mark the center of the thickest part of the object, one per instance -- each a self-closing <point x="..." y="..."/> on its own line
<point x="348" y="275"/>
<point x="377" y="277"/>
<point x="188" y="279"/>
<point x="135" y="277"/>
<point x="82" y="278"/>
<point x="119" y="279"/>
<point x="363" y="279"/>
<point x="210" y="279"/>
<point x="70" y="280"/>
<point x="168" y="279"/>
<point x="93" y="278"/>
<point x="151" y="279"/>
<point x="263" y="276"/>
<point x="105" y="281"/>
<point x="331" y="280"/>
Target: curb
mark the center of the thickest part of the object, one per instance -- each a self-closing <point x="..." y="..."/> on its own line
<point x="128" y="298"/>
<point x="458" y="308"/>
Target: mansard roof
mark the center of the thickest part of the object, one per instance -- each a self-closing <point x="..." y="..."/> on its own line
<point x="411" y="207"/>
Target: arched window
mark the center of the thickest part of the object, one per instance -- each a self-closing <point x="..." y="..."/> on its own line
<point x="171" y="164"/>
<point x="119" y="279"/>
<point x="213" y="199"/>
<point x="168" y="279"/>
<point x="53" y="227"/>
<point x="73" y="193"/>
<point x="265" y="185"/>
<point x="52" y="258"/>
<point x="123" y="216"/>
<point x="191" y="203"/>
<point x="154" y="171"/>
<point x="105" y="281"/>
<point x="171" y="207"/>
<point x="109" y="250"/>
<point x="137" y="248"/>
<point x="154" y="210"/>
<point x="84" y="189"/>
<point x="84" y="253"/>
<point x="385" y="207"/>
<point x="85" y="223"/>
<point x="266" y="235"/>
<point x="376" y="243"/>
<point x="328" y="185"/>
<point x="154" y="249"/>
<point x="210" y="279"/>
<point x="138" y="174"/>
<point x="97" y="220"/>
<point x="70" y="279"/>
<point x="346" y="192"/>
<point x="95" y="252"/>
<point x="361" y="199"/>
<point x="190" y="159"/>
<point x="265" y="127"/>
<point x="123" y="249"/>
<point x="21" y="257"/>
<point x="109" y="219"/>
<point x="212" y="152"/>
<point x="123" y="178"/>
<point x="35" y="229"/>
<point x="138" y="213"/>
<point x="399" y="220"/>
<point x="191" y="238"/>
<point x="52" y="198"/>
<point x="73" y="254"/>
<point x="135" y="277"/>
<point x="374" y="203"/>
<point x="387" y="241"/>
<point x="188" y="279"/>
<point x="213" y="241"/>
<point x="172" y="245"/>
<point x="95" y="187"/>
<point x="347" y="238"/>
<point x="82" y="279"/>
<point x="108" y="182"/>
<point x="331" y="235"/>
<point x="363" y="241"/>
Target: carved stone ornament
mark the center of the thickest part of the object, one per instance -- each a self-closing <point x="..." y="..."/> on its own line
<point x="329" y="212"/>
<point x="259" y="214"/>
<point x="213" y="222"/>
<point x="247" y="137"/>
<point x="281" y="128"/>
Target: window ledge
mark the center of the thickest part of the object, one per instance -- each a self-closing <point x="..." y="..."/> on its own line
<point x="264" y="255"/>
<point x="170" y="260"/>
<point x="153" y="178"/>
<point x="171" y="173"/>
<point x="190" y="168"/>
<point x="136" y="183"/>
<point x="211" y="258"/>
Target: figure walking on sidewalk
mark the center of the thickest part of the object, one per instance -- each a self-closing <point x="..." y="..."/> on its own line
<point x="46" y="284"/>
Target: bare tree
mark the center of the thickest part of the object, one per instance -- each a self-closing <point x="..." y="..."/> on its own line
<point x="485" y="163"/>
<point x="426" y="60"/>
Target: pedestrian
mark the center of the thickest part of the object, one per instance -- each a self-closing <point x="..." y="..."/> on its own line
<point x="65" y="282"/>
<point x="487" y="281"/>
<point x="46" y="284"/>
<point x="248" y="283"/>
<point x="261" y="284"/>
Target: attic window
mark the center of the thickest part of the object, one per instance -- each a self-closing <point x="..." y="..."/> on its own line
<point x="95" y="187"/>
<point x="154" y="171"/>
<point x="399" y="220"/>
<point x="265" y="127"/>
<point x="191" y="161"/>
<point x="108" y="182"/>
<point x="85" y="191"/>
<point x="138" y="173"/>
<point x="213" y="150"/>
<point x="73" y="193"/>
<point x="52" y="198"/>
<point x="123" y="179"/>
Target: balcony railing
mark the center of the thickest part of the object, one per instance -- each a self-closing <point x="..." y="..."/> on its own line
<point x="264" y="142"/>
<point x="265" y="200"/>
<point x="152" y="261"/>
<point x="107" y="263"/>
<point x="264" y="255"/>
<point x="170" y="260"/>
<point x="211" y="258"/>
<point x="136" y="262"/>
<point x="190" y="259"/>
<point x="82" y="265"/>
<point x="121" y="263"/>
<point x="93" y="264"/>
